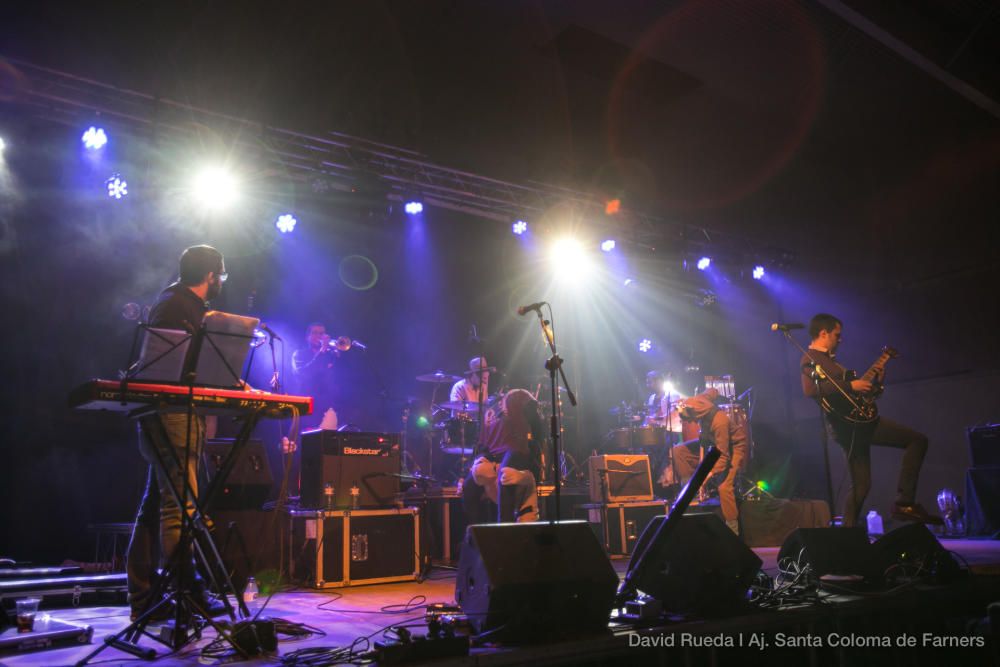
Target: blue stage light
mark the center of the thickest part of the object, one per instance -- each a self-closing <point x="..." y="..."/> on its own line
<point x="645" y="345"/>
<point x="758" y="272"/>
<point x="519" y="227"/>
<point x="704" y="263"/>
<point x="285" y="223"/>
<point x="413" y="207"/>
<point x="94" y="138"/>
<point x="117" y="187"/>
<point x="608" y="245"/>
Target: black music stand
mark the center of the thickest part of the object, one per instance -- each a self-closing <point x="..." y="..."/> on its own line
<point x="194" y="533"/>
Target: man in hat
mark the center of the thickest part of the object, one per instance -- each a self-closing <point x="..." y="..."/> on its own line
<point x="474" y="388"/>
<point x="728" y="437"/>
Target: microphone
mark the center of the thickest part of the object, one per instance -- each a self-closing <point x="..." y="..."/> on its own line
<point x="537" y="307"/>
<point x="777" y="326"/>
<point x="270" y="332"/>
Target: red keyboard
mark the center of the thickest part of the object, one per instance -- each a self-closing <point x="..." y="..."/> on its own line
<point x="107" y="395"/>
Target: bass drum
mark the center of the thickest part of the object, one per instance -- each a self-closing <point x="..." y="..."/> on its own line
<point x="649" y="436"/>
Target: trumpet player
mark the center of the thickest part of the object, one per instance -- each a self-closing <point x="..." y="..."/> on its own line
<point x="314" y="368"/>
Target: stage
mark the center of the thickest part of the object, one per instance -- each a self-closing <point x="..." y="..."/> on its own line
<point x="843" y="629"/>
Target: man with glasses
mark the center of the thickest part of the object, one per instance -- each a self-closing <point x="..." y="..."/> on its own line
<point x="180" y="306"/>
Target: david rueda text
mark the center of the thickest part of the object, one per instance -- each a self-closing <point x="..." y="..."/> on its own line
<point x="760" y="641"/>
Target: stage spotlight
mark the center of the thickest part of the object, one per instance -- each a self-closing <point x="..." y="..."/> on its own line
<point x="423" y="422"/>
<point x="669" y="388"/>
<point x="608" y="246"/>
<point x="94" y="139"/>
<point x="413" y="207"/>
<point x="763" y="485"/>
<point x="645" y="345"/>
<point x="519" y="227"/>
<point x="285" y="223"/>
<point x="704" y="263"/>
<point x="758" y="272"/>
<point x="215" y="188"/>
<point x="117" y="187"/>
<point x="613" y="207"/>
<point x="2" y="145"/>
<point x="570" y="260"/>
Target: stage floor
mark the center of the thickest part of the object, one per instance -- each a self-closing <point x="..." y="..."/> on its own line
<point x="347" y="614"/>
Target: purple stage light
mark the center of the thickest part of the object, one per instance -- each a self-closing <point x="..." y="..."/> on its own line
<point x="413" y="207"/>
<point x="704" y="263"/>
<point x="285" y="223"/>
<point x="608" y="246"/>
<point x="519" y="227"/>
<point x="645" y="345"/>
<point x="94" y="138"/>
<point x="758" y="272"/>
<point x="117" y="187"/>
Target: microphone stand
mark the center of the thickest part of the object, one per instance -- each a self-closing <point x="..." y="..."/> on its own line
<point x="553" y="364"/>
<point x="825" y="438"/>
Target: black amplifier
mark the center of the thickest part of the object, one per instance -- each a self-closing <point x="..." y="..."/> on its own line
<point x="367" y="461"/>
<point x="984" y="445"/>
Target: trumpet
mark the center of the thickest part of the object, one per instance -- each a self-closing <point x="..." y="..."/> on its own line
<point x="344" y="344"/>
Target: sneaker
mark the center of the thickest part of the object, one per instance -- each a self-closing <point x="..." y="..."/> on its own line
<point x="914" y="512"/>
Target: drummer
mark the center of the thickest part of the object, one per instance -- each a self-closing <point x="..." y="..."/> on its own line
<point x="474" y="387"/>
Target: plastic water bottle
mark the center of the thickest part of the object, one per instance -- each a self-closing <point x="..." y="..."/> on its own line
<point x="328" y="496"/>
<point x="250" y="595"/>
<point x="874" y="524"/>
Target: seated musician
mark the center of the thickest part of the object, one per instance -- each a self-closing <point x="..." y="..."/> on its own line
<point x="729" y="438"/>
<point x="507" y="467"/>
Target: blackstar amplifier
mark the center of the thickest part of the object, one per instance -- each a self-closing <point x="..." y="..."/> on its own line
<point x="616" y="478"/>
<point x="369" y="461"/>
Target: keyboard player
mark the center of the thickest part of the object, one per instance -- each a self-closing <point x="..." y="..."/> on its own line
<point x="182" y="305"/>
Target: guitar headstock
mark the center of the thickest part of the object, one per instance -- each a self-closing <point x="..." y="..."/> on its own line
<point x="890" y="351"/>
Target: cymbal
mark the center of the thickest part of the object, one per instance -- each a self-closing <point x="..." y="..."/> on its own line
<point x="462" y="406"/>
<point x="439" y="377"/>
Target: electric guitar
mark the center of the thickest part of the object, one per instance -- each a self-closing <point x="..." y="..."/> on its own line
<point x="860" y="408"/>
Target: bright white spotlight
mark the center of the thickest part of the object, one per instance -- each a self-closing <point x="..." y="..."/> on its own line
<point x="215" y="188"/>
<point x="608" y="246"/>
<point x="94" y="139"/>
<point x="519" y="227"/>
<point x="570" y="260"/>
<point x="2" y="144"/>
<point x="758" y="272"/>
<point x="645" y="345"/>
<point x="669" y="388"/>
<point x="413" y="207"/>
<point x="704" y="263"/>
<point x="285" y="223"/>
<point x="117" y="187"/>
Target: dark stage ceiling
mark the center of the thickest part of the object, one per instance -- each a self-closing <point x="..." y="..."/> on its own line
<point x="864" y="131"/>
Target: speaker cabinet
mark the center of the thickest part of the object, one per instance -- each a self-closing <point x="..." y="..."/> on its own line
<point x="984" y="445"/>
<point x="913" y="551"/>
<point x="250" y="543"/>
<point x="619" y="478"/>
<point x="831" y="551"/>
<point x="535" y="581"/>
<point x="249" y="483"/>
<point x="700" y="566"/>
<point x="369" y="461"/>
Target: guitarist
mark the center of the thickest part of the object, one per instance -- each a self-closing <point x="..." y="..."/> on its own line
<point x="827" y="382"/>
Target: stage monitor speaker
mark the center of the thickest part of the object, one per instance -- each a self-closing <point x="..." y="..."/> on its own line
<point x="830" y="551"/>
<point x="619" y="478"/>
<point x="912" y="551"/>
<point x="700" y="566"/>
<point x="249" y="482"/>
<point x="534" y="581"/>
<point x="984" y="445"/>
<point x="344" y="459"/>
